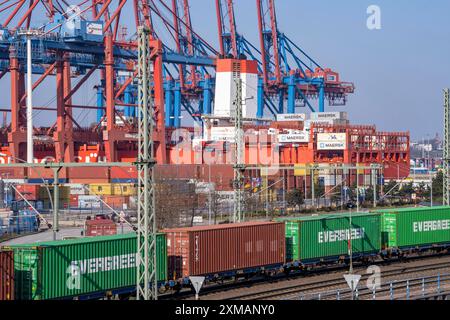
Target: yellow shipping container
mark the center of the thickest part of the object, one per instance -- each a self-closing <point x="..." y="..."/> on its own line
<point x="360" y="171"/>
<point x="101" y="189"/>
<point x="300" y="169"/>
<point x="124" y="189"/>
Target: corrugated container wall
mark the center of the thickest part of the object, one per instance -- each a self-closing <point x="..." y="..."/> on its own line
<point x="28" y="191"/>
<point x="49" y="270"/>
<point x="124" y="189"/>
<point x="117" y="202"/>
<point x="327" y="236"/>
<point x="95" y="228"/>
<point x="6" y="275"/>
<point x="64" y="192"/>
<point x="221" y="248"/>
<point x="101" y="189"/>
<point x="77" y="189"/>
<point x="411" y="227"/>
<point x="89" y="202"/>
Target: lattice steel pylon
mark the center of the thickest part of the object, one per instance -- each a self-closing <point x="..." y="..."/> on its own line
<point x="239" y="166"/>
<point x="146" y="288"/>
<point x="446" y="156"/>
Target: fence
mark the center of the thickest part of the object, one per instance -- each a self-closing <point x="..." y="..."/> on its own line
<point x="410" y="289"/>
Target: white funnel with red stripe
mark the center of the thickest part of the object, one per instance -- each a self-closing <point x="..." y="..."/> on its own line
<point x="226" y="71"/>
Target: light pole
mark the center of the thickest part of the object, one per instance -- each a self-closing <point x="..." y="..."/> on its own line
<point x="209" y="195"/>
<point x="29" y="33"/>
<point x="350" y="249"/>
<point x="431" y="188"/>
<point x="357" y="185"/>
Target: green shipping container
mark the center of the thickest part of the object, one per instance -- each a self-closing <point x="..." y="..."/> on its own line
<point x="412" y="227"/>
<point x="327" y="236"/>
<point x="70" y="268"/>
<point x="291" y="235"/>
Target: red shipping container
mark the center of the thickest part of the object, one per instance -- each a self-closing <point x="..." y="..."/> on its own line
<point x="6" y="275"/>
<point x="89" y="175"/>
<point x="221" y="248"/>
<point x="94" y="228"/>
<point x="73" y="200"/>
<point x="116" y="202"/>
<point x="28" y="191"/>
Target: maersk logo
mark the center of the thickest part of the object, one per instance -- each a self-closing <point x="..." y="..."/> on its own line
<point x="340" y="235"/>
<point x="434" y="225"/>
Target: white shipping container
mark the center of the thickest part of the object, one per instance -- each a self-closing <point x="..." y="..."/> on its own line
<point x="77" y="189"/>
<point x="331" y="141"/>
<point x="223" y="134"/>
<point x="329" y="116"/>
<point x="88" y="202"/>
<point x="302" y="137"/>
<point x="204" y="187"/>
<point x="291" y="117"/>
<point x="367" y="180"/>
<point x="329" y="122"/>
<point x="329" y="180"/>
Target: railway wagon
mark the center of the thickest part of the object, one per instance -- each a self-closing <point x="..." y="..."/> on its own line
<point x="326" y="238"/>
<point x="415" y="228"/>
<point x="6" y="275"/>
<point x="85" y="268"/>
<point x="225" y="250"/>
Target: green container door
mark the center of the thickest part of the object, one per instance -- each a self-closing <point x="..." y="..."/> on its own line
<point x="26" y="266"/>
<point x="161" y="257"/>
<point x="292" y="238"/>
<point x="78" y="267"/>
<point x="388" y="230"/>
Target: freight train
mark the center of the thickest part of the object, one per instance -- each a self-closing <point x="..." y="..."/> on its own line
<point x="105" y="266"/>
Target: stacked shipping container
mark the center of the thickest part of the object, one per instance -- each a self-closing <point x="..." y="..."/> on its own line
<point x="27" y="191"/>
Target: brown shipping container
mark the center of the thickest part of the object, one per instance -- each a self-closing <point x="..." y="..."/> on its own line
<point x="221" y="248"/>
<point x="96" y="228"/>
<point x="6" y="275"/>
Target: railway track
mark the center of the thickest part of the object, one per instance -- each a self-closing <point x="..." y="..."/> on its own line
<point x="326" y="279"/>
<point x="335" y="284"/>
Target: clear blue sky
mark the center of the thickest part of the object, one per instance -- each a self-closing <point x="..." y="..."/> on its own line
<point x="399" y="71"/>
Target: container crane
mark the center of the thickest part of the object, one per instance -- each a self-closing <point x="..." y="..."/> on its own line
<point x="75" y="47"/>
<point x="288" y="71"/>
